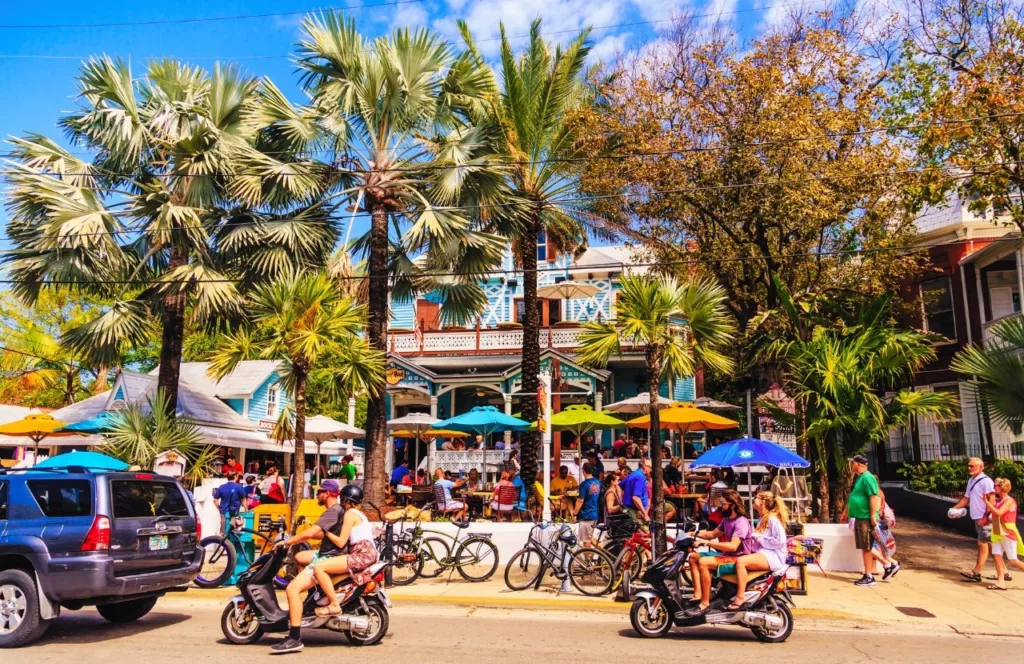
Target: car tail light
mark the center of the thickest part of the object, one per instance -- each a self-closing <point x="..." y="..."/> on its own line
<point x="199" y="530"/>
<point x="98" y="538"/>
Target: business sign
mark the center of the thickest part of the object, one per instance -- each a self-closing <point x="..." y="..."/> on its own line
<point x="542" y="408"/>
<point x="266" y="425"/>
<point x="394" y="375"/>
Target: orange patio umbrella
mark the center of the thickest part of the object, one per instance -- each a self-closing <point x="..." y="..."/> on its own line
<point x="36" y="427"/>
<point x="685" y="417"/>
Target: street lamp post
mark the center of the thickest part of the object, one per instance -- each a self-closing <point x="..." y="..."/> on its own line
<point x="544" y="424"/>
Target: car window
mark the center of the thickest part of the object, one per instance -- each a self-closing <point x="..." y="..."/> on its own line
<point x="62" y="498"/>
<point x="3" y="501"/>
<point x="135" y="499"/>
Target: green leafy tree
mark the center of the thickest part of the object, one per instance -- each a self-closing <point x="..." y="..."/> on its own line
<point x="680" y="326"/>
<point x="141" y="431"/>
<point x="195" y="189"/>
<point x="399" y="114"/>
<point x="542" y="90"/>
<point x="839" y="373"/>
<point x="996" y="372"/>
<point x="300" y="319"/>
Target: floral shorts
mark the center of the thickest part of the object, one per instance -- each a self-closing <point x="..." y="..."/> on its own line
<point x="361" y="556"/>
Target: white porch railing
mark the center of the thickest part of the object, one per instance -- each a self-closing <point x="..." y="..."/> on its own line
<point x="486" y="340"/>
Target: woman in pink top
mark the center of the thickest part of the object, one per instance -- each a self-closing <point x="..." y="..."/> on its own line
<point x="1002" y="510"/>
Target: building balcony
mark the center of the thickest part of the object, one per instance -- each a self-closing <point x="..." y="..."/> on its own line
<point x="482" y="340"/>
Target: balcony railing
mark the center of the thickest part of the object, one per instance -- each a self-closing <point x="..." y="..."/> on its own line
<point x="481" y="340"/>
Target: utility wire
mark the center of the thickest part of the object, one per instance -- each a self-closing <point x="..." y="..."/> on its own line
<point x="597" y="267"/>
<point x="96" y="171"/>
<point x="38" y="357"/>
<point x="584" y="199"/>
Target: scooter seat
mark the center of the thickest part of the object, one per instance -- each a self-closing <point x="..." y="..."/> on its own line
<point x="731" y="578"/>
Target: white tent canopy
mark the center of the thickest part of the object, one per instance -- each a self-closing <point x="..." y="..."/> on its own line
<point x="320" y="428"/>
<point x="641" y="403"/>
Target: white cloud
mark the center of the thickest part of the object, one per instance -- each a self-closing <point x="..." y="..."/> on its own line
<point x="660" y="10"/>
<point x="410" y="16"/>
<point x="609" y="48"/>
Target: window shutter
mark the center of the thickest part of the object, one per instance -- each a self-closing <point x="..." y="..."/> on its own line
<point x="969" y="413"/>
<point x="926" y="434"/>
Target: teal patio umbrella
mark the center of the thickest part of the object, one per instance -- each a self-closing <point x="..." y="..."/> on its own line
<point x="87" y="460"/>
<point x="99" y="424"/>
<point x="483" y="420"/>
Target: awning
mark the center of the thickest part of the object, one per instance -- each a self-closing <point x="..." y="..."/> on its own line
<point x="998" y="248"/>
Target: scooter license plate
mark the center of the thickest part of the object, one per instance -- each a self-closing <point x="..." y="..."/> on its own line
<point x="384" y="598"/>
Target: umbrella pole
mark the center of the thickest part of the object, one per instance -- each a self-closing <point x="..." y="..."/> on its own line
<point x="318" y="443"/>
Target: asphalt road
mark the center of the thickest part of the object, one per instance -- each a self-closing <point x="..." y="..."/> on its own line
<point x="183" y="631"/>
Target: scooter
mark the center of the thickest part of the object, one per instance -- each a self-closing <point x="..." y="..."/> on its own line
<point x="656" y="610"/>
<point x="256" y="611"/>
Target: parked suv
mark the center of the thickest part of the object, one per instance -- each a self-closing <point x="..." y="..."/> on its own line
<point x="71" y="538"/>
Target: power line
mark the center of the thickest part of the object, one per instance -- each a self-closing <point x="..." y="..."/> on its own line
<point x="596" y="197"/>
<point x="38" y="357"/>
<point x="208" y="19"/>
<point x="552" y="160"/>
<point x="596" y="267"/>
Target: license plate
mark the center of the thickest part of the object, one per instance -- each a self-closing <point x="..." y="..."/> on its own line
<point x="384" y="598"/>
<point x="158" y="542"/>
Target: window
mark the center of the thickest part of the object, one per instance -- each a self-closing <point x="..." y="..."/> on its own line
<point x="951" y="431"/>
<point x="135" y="499"/>
<point x="272" y="401"/>
<point x="3" y="501"/>
<point x="542" y="246"/>
<point x="937" y="305"/>
<point x="59" y="498"/>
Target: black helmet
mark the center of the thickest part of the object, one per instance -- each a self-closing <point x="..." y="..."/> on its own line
<point x="352" y="493"/>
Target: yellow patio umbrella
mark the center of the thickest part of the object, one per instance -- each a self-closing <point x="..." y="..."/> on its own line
<point x="685" y="417"/>
<point x="36" y="427"/>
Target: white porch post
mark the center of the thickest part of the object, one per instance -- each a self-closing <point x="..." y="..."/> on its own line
<point x="351" y="411"/>
<point x="508" y="411"/>
<point x="545" y="414"/>
<point x="389" y="464"/>
<point x="431" y="446"/>
<point x="599" y="405"/>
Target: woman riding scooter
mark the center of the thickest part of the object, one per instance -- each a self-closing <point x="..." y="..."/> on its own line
<point x="770" y="534"/>
<point x="357" y="533"/>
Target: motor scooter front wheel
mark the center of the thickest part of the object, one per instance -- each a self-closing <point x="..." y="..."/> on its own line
<point x="651" y="625"/>
<point x="240" y="627"/>
<point x="377" y="614"/>
<point x="780" y="634"/>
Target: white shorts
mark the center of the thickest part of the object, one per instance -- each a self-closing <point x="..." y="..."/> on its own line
<point x="1005" y="546"/>
<point x="453" y="505"/>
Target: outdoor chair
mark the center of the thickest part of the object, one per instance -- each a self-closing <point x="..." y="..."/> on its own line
<point x="445" y="506"/>
<point x="506" y="502"/>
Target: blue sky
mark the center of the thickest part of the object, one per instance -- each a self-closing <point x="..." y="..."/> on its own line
<point x="38" y="66"/>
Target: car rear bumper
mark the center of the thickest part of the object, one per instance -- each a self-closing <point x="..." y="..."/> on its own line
<point x="91" y="579"/>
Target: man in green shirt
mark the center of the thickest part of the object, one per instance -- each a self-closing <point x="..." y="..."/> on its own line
<point x="863" y="506"/>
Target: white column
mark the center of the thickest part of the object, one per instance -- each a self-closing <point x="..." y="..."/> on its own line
<point x="1020" y="274"/>
<point x="599" y="405"/>
<point x="545" y="414"/>
<point x="389" y="464"/>
<point x="351" y="411"/>
<point x="431" y="446"/>
<point x="508" y="411"/>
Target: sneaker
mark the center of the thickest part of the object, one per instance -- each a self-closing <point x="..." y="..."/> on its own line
<point x="866" y="580"/>
<point x="286" y="646"/>
<point x="891" y="571"/>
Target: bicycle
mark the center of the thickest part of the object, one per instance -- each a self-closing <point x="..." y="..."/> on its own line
<point x="427" y="553"/>
<point x="590" y="570"/>
<point x="220" y="553"/>
<point x="636" y="553"/>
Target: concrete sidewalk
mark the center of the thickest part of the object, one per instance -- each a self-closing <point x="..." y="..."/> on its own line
<point x="833" y="602"/>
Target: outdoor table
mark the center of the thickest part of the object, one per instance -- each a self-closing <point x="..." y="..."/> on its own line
<point x="680" y="500"/>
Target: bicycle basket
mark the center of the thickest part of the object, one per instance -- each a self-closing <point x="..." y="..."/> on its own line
<point x="620" y="527"/>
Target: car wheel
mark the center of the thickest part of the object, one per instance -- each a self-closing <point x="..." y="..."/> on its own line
<point x="124" y="612"/>
<point x="20" y="623"/>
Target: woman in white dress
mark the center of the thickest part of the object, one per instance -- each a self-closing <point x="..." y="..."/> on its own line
<point x="770" y="535"/>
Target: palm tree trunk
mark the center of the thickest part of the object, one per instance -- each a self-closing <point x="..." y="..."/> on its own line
<point x="69" y="385"/>
<point x="299" y="460"/>
<point x="819" y="509"/>
<point x="376" y="335"/>
<point x="101" y="384"/>
<point x="529" y="441"/>
<point x="173" y="320"/>
<point x="654" y="448"/>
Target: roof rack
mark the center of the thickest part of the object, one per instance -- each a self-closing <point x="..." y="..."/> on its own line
<point x="71" y="470"/>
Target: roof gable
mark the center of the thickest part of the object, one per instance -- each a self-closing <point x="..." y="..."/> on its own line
<point x="246" y="378"/>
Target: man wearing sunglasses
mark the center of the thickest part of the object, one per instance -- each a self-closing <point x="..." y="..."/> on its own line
<point x="733" y="538"/>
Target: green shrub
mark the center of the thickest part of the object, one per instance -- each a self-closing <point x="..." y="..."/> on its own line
<point x="951" y="476"/>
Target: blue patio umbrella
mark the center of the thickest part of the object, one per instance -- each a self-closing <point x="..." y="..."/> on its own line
<point x="483" y="420"/>
<point x="749" y="452"/>
<point x="87" y="460"/>
<point x="98" y="424"/>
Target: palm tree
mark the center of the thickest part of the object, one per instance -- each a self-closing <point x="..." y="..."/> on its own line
<point x="194" y="190"/>
<point x="840" y="373"/>
<point x="540" y="91"/>
<point x="298" y="319"/>
<point x="680" y="326"/>
<point x="997" y="372"/>
<point x="140" y="432"/>
<point x="400" y="113"/>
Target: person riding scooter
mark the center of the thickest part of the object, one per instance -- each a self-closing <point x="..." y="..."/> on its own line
<point x="326" y="495"/>
<point x="357" y="538"/>
<point x="733" y="538"/>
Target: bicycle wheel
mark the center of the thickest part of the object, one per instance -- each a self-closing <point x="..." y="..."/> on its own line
<point x="218" y="562"/>
<point x="523" y="569"/>
<point x="435" y="554"/>
<point x="592" y="571"/>
<point x="628" y="560"/>
<point x="476" y="559"/>
<point x="408" y="563"/>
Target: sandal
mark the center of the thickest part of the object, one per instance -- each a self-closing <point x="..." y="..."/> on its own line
<point x="325" y="611"/>
<point x="971" y="576"/>
<point x="993" y="586"/>
<point x="1006" y="577"/>
<point x="735" y="607"/>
